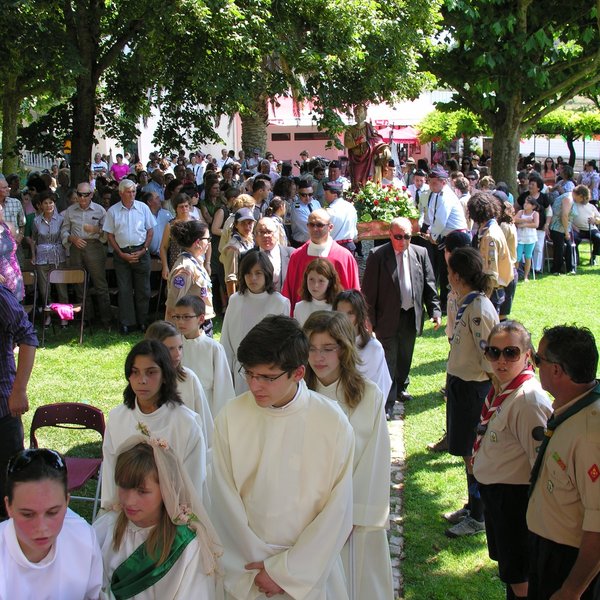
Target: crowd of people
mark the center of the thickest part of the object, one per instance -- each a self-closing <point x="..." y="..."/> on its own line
<point x="259" y="465"/>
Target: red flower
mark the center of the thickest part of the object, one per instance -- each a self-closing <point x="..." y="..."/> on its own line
<point x="387" y="199"/>
<point x="403" y="188"/>
<point x="376" y="202"/>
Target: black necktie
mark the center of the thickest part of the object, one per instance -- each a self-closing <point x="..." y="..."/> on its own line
<point x="310" y="207"/>
<point x="417" y="193"/>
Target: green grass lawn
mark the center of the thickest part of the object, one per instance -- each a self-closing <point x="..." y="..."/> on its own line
<point x="435" y="567"/>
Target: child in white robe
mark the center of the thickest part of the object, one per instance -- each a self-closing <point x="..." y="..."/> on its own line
<point x="203" y="355"/>
<point x="256" y="299"/>
<point x="371" y="364"/>
<point x="46" y="550"/>
<point x="281" y="484"/>
<point x="332" y="372"/>
<point x="157" y="541"/>
<point x="320" y="286"/>
<point x="152" y="403"/>
<point x="188" y="385"/>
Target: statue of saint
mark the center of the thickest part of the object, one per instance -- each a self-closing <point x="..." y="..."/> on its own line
<point x="367" y="152"/>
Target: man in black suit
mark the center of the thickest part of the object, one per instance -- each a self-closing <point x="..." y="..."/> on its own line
<point x="267" y="239"/>
<point x="398" y="283"/>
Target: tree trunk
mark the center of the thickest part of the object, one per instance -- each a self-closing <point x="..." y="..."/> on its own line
<point x="254" y="127"/>
<point x="571" y="146"/>
<point x="84" y="118"/>
<point x="505" y="148"/>
<point x="10" y="121"/>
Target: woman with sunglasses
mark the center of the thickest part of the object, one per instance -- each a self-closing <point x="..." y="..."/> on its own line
<point x="46" y="550"/>
<point x="505" y="450"/>
<point x="468" y="375"/>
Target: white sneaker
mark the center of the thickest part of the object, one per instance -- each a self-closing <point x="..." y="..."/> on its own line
<point x="468" y="526"/>
<point x="457" y="516"/>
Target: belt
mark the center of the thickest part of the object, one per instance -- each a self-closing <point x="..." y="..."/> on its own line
<point x="130" y="249"/>
<point x="350" y="241"/>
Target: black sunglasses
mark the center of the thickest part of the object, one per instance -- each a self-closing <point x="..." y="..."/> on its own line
<point x="399" y="236"/>
<point x="23" y="459"/>
<point x="538" y="359"/>
<point x="510" y="353"/>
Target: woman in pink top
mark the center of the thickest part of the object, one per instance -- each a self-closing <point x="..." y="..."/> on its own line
<point x="119" y="170"/>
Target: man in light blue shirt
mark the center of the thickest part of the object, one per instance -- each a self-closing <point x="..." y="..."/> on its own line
<point x="300" y="211"/>
<point x="129" y="226"/>
<point x="445" y="214"/>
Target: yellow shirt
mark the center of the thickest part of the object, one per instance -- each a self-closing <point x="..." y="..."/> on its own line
<point x="566" y="497"/>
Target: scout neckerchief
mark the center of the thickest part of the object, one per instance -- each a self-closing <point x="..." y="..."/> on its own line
<point x="468" y="299"/>
<point x="493" y="402"/>
<point x="139" y="571"/>
<point x="200" y="267"/>
<point x="553" y="422"/>
<point x="483" y="229"/>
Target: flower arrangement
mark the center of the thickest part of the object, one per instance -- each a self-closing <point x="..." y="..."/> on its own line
<point x="374" y="202"/>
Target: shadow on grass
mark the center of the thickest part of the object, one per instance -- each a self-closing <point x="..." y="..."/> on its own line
<point x="91" y="339"/>
<point x="437" y="567"/>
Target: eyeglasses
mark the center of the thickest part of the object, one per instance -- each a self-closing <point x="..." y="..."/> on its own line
<point x="184" y="317"/>
<point x="249" y="376"/>
<point x="264" y="232"/>
<point x="304" y="194"/>
<point x="23" y="459"/>
<point x="510" y="353"/>
<point x="324" y="351"/>
<point x="400" y="236"/>
<point x="538" y="359"/>
<point x="206" y="239"/>
<point x="84" y="194"/>
<point x="318" y="225"/>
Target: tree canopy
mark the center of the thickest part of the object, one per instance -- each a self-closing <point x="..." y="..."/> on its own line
<point x="513" y="61"/>
<point x="445" y="127"/>
<point x="202" y="60"/>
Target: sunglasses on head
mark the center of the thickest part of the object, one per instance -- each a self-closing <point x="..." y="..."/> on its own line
<point x="23" y="459"/>
<point x="401" y="236"/>
<point x="510" y="353"/>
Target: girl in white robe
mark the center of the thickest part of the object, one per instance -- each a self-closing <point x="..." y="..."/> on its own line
<point x="372" y="364"/>
<point x="256" y="299"/>
<point x="157" y="541"/>
<point x="153" y="404"/>
<point x="332" y="372"/>
<point x="188" y="384"/>
<point x="46" y="550"/>
<point x="320" y="286"/>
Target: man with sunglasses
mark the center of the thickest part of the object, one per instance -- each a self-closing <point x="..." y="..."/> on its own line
<point x="81" y="233"/>
<point x="397" y="284"/>
<point x="320" y="245"/>
<point x="301" y="209"/>
<point x="564" y="505"/>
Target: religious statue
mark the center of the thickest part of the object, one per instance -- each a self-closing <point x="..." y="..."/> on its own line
<point x="368" y="153"/>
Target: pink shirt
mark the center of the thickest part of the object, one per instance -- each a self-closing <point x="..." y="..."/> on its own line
<point x="119" y="171"/>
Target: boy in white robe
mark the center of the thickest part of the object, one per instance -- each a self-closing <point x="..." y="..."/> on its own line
<point x="282" y="479"/>
<point x="203" y="355"/>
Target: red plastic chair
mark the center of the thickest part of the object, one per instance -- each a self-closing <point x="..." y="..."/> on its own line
<point x="73" y="415"/>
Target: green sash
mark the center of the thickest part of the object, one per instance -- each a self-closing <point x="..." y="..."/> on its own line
<point x="139" y="572"/>
<point x="553" y="423"/>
